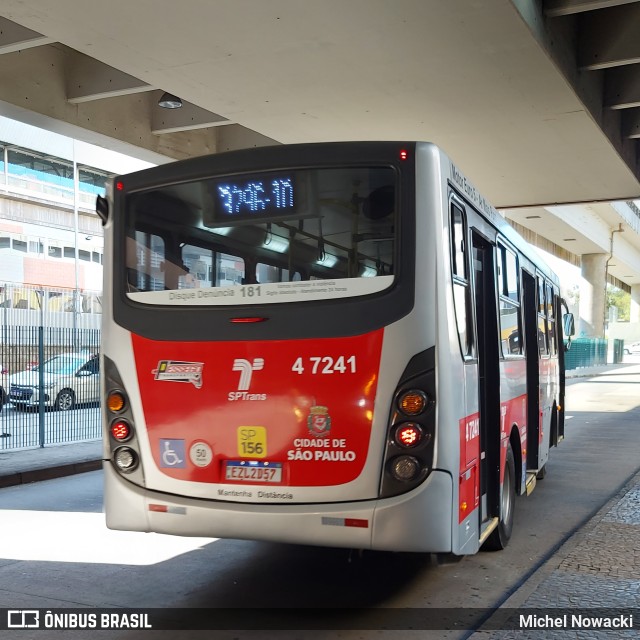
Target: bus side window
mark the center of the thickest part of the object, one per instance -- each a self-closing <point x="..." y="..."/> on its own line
<point x="509" y="291"/>
<point x="551" y="325"/>
<point x="542" y="319"/>
<point x="461" y="284"/>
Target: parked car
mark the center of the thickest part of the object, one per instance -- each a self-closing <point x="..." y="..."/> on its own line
<point x="633" y="348"/>
<point x="4" y="373"/>
<point x="69" y="379"/>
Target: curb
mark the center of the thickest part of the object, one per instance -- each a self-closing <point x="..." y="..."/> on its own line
<point x="49" y="473"/>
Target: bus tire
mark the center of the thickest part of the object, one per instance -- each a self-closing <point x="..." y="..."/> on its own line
<point x="541" y="473"/>
<point x="500" y="536"/>
<point x="65" y="400"/>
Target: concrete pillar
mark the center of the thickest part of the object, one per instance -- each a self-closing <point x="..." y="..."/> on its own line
<point x="592" y="295"/>
<point x="635" y="303"/>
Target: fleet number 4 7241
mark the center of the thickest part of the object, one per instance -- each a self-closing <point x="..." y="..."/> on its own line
<point x="324" y="365"/>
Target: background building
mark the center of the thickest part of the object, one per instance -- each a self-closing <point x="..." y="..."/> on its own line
<point x="51" y="242"/>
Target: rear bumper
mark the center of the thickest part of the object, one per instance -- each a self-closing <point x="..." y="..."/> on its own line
<point x="417" y="521"/>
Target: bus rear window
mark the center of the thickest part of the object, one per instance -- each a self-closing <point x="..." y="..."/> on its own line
<point x="292" y="234"/>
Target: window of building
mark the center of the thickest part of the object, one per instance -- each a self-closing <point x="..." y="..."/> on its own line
<point x="35" y="166"/>
<point x="92" y="180"/>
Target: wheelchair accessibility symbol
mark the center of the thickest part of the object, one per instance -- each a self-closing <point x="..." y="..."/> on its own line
<point x="172" y="454"/>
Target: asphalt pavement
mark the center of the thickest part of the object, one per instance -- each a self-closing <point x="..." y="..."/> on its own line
<point x="595" y="573"/>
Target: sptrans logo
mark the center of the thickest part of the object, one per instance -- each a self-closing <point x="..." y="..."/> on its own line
<point x="246" y="369"/>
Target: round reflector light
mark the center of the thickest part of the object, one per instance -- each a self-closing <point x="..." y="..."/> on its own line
<point x="409" y="434"/>
<point x="120" y="430"/>
<point x="126" y="459"/>
<point x="412" y="402"/>
<point x="405" y="468"/>
<point x="115" y="401"/>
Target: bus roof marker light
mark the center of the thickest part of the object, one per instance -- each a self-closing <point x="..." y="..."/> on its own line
<point x="120" y="186"/>
<point x="404" y="154"/>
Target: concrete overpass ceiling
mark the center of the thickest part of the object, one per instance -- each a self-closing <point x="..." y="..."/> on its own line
<point x="571" y="231"/>
<point x="538" y="102"/>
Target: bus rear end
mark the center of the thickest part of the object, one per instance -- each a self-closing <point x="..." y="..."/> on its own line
<point x="268" y="371"/>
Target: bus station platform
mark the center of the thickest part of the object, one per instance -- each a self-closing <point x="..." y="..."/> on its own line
<point x="23" y="466"/>
<point x="596" y="567"/>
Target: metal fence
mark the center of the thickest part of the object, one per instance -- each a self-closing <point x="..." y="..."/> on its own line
<point x="586" y="352"/>
<point x="50" y="385"/>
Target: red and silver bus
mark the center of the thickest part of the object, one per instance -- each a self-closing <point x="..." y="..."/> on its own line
<point x="337" y="344"/>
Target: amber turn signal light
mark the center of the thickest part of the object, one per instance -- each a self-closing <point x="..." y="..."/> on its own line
<point x="115" y="401"/>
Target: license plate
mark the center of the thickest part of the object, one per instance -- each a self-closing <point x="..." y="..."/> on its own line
<point x="250" y="471"/>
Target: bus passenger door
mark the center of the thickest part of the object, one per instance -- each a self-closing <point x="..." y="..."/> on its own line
<point x="531" y="345"/>
<point x="485" y="296"/>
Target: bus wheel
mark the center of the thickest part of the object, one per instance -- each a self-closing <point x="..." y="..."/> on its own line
<point x="65" y="400"/>
<point x="541" y="473"/>
<point x="499" y="538"/>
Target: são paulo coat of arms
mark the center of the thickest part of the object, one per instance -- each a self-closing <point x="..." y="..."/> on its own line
<point x="319" y="421"/>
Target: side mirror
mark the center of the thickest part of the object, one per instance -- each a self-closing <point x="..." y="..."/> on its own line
<point x="102" y="209"/>
<point x="569" y="327"/>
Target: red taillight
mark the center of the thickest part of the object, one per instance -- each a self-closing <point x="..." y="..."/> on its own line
<point x="404" y="154"/>
<point x="120" y="430"/>
<point x="119" y="186"/>
<point x="243" y="320"/>
<point x="408" y="434"/>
